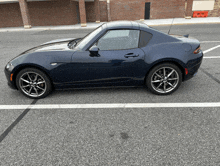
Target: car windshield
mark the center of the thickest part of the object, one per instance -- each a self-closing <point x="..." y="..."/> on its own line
<point x="88" y="37"/>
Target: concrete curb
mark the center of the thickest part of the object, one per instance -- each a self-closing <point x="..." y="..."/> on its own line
<point x="186" y="23"/>
<point x="182" y="21"/>
<point x="158" y="22"/>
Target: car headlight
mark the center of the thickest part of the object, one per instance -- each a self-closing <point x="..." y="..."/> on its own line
<point x="9" y="66"/>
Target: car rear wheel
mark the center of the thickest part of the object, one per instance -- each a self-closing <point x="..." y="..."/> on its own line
<point x="164" y="79"/>
<point x="33" y="83"/>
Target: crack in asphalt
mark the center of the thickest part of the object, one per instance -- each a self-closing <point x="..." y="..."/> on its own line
<point x="8" y="130"/>
<point x="210" y="75"/>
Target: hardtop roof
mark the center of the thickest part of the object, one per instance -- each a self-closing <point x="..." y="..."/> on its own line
<point x="124" y="24"/>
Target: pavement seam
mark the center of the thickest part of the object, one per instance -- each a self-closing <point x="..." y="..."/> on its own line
<point x="21" y="116"/>
<point x="211" y="76"/>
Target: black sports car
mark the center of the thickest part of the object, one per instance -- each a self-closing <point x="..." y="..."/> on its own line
<point x="121" y="53"/>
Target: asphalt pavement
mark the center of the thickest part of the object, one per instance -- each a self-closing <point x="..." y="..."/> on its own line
<point x="113" y="136"/>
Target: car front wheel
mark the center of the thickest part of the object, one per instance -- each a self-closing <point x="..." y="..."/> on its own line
<point x="164" y="79"/>
<point x="33" y="83"/>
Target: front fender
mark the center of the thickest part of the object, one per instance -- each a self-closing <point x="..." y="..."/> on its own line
<point x="20" y="67"/>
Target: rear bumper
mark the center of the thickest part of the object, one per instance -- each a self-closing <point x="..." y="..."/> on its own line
<point x="193" y="66"/>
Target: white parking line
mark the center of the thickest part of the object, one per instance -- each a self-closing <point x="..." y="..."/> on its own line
<point x="211" y="57"/>
<point x="206" y="51"/>
<point x="210" y="42"/>
<point x="126" y="105"/>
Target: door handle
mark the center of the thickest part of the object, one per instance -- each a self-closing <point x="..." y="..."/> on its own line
<point x="131" y="55"/>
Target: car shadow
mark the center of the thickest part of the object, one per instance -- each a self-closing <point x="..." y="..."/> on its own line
<point x="98" y="90"/>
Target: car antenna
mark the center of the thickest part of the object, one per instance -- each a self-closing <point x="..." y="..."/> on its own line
<point x="170" y="26"/>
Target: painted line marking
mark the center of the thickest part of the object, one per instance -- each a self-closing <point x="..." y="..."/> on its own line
<point x="210" y="42"/>
<point x="115" y="105"/>
<point x="211" y="57"/>
<point x="206" y="51"/>
<point x="21" y="116"/>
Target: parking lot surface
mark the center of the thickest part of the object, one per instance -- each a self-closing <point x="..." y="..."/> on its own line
<point x="113" y="136"/>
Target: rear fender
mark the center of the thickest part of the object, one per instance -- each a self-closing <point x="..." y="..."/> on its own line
<point x="177" y="62"/>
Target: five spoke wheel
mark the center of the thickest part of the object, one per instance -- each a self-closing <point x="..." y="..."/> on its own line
<point x="164" y="78"/>
<point x="33" y="83"/>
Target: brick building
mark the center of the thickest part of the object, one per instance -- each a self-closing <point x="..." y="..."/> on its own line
<point x="27" y="13"/>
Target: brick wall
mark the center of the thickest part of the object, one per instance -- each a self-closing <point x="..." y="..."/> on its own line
<point x="10" y="15"/>
<point x="216" y="11"/>
<point x="52" y="13"/>
<point x="135" y="10"/>
<point x="64" y="12"/>
<point x="90" y="12"/>
<point x="160" y="9"/>
<point x="126" y="9"/>
<point x="103" y="11"/>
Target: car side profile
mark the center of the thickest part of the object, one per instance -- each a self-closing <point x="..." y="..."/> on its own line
<point x="120" y="53"/>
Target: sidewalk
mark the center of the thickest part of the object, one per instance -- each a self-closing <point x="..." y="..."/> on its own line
<point x="156" y="22"/>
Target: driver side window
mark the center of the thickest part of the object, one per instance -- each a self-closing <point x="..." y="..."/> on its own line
<point x="119" y="40"/>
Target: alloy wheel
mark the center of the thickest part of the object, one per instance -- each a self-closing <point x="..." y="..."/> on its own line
<point x="165" y="79"/>
<point x="32" y="84"/>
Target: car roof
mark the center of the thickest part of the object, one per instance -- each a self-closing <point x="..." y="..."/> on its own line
<point x="124" y="24"/>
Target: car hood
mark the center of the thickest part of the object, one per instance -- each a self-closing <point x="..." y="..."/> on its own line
<point x="54" y="45"/>
<point x="59" y="40"/>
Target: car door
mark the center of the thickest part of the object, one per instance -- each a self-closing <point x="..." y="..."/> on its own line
<point x="124" y="58"/>
<point x="119" y="60"/>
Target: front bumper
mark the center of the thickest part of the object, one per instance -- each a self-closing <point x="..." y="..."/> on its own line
<point x="11" y="84"/>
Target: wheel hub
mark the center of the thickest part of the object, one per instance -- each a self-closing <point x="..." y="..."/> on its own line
<point x="164" y="79"/>
<point x="33" y="84"/>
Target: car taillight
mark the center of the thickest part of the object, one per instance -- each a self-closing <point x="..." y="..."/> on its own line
<point x="197" y="50"/>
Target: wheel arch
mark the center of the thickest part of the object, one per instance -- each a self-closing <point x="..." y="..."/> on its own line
<point x="19" y="68"/>
<point x="175" y="62"/>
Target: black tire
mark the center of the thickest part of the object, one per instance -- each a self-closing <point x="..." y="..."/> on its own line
<point x="33" y="83"/>
<point x="159" y="84"/>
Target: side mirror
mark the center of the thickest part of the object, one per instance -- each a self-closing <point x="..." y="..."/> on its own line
<point x="94" y="51"/>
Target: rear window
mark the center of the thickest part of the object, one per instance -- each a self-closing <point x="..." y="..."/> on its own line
<point x="144" y="38"/>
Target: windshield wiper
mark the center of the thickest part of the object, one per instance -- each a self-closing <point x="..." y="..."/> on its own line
<point x="74" y="42"/>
